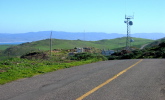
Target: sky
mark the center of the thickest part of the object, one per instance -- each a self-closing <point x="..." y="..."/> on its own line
<point x="21" y="16"/>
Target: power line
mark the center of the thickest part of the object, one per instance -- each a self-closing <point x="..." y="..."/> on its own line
<point x="51" y="43"/>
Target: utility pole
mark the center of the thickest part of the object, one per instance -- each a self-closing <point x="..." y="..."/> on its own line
<point x="51" y="43"/>
<point x="128" y="38"/>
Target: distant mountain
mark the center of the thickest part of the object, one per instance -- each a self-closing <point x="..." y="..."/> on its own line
<point x="89" y="36"/>
<point x="153" y="36"/>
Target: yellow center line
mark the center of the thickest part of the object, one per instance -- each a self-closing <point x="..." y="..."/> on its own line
<point x="106" y="82"/>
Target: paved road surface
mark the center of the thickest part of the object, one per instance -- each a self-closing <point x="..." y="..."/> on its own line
<point x="112" y="80"/>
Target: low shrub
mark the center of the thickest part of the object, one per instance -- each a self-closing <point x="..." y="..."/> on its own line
<point x="35" y="55"/>
<point x="87" y="56"/>
<point x="112" y="57"/>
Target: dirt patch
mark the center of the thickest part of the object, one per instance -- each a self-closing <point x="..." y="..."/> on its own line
<point x="2" y="70"/>
<point x="35" y="55"/>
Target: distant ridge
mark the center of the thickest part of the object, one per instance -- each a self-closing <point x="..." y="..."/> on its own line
<point x="88" y="36"/>
<point x="106" y="44"/>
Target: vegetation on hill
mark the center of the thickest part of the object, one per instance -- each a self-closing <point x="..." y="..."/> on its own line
<point x="43" y="45"/>
<point x="119" y="43"/>
<point x="3" y="47"/>
<point x="155" y="43"/>
<point x="157" y="51"/>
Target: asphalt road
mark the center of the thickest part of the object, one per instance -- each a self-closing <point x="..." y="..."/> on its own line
<point x="106" y="80"/>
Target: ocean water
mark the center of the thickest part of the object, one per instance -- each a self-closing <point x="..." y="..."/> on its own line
<point x="11" y="43"/>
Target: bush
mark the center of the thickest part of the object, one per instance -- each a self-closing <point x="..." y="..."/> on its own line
<point x="128" y="56"/>
<point x="162" y="44"/>
<point x="113" y="57"/>
<point x="87" y="56"/>
<point x="35" y="55"/>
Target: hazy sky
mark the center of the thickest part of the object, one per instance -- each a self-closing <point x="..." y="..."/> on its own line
<point x="19" y="16"/>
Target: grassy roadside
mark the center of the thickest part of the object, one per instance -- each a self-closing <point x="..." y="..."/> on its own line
<point x="16" y="68"/>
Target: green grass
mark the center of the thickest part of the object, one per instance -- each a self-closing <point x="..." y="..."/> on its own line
<point x="101" y="44"/>
<point x="43" y="45"/>
<point x="16" y="68"/>
<point x="70" y="44"/>
<point x="156" y="43"/>
<point x="120" y="42"/>
<point x="3" y="47"/>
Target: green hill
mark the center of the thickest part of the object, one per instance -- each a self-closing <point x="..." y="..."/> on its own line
<point x="154" y="49"/>
<point x="43" y="45"/>
<point x="156" y="43"/>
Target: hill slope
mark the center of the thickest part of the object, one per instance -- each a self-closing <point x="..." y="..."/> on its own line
<point x="156" y="43"/>
<point x="70" y="44"/>
<point x="154" y="49"/>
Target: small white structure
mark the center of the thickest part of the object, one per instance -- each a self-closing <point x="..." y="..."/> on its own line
<point x="107" y="52"/>
<point x="79" y="50"/>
